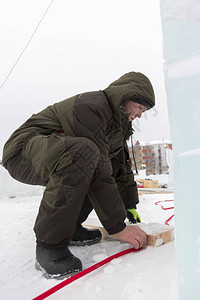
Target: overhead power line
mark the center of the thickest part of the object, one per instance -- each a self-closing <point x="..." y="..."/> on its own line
<point x="27" y="44"/>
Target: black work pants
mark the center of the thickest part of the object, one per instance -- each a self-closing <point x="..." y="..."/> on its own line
<point x="65" y="165"/>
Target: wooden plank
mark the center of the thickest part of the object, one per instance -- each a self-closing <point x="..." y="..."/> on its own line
<point x="157" y="234"/>
<point x="142" y="191"/>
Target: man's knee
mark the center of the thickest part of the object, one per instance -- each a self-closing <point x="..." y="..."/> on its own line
<point x="84" y="152"/>
<point x="88" y="150"/>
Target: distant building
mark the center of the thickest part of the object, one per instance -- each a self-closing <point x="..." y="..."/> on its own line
<point x="151" y="157"/>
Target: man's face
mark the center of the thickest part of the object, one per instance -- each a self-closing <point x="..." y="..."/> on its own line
<point x="134" y="109"/>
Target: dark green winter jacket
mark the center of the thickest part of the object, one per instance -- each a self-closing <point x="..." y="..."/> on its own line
<point x="97" y="116"/>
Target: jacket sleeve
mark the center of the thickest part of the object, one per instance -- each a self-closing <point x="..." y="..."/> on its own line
<point x="124" y="178"/>
<point x="93" y="121"/>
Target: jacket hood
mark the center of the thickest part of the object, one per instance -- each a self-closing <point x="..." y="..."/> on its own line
<point x="132" y="86"/>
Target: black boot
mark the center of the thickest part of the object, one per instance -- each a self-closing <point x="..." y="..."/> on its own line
<point x="56" y="263"/>
<point x="84" y="236"/>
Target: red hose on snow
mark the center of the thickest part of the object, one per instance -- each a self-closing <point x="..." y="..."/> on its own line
<point x="83" y="273"/>
<point x="165" y="208"/>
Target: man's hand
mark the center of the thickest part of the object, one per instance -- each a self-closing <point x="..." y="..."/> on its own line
<point x="133" y="235"/>
<point x="133" y="216"/>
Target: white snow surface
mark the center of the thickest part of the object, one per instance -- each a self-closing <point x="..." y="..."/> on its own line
<point x="150" y="274"/>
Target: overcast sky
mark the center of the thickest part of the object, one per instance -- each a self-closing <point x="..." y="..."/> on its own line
<point x="79" y="46"/>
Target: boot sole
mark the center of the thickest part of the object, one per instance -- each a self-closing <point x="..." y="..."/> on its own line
<point x="54" y="276"/>
<point x="85" y="243"/>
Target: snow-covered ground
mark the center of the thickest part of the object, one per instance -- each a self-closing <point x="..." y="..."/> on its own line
<point x="150" y="274"/>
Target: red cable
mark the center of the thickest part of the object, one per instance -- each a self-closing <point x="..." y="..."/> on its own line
<point x="167" y="221"/>
<point x="165" y="208"/>
<point x="83" y="273"/>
